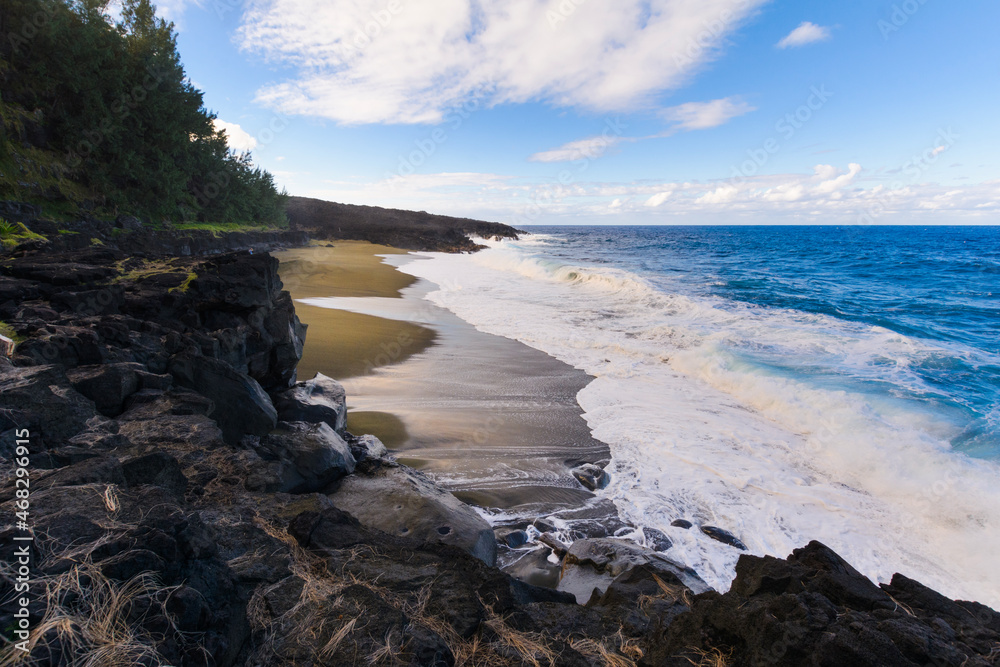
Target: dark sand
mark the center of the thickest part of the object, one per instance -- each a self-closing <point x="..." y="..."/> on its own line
<point x="341" y="344"/>
<point x="494" y="421"/>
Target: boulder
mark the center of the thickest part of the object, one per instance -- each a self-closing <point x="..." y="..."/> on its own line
<point x="656" y="540"/>
<point x="681" y="523"/>
<point x="403" y="502"/>
<point x="591" y="476"/>
<point x="241" y="405"/>
<point x="310" y="456"/>
<point x="107" y="385"/>
<point x="41" y="398"/>
<point x="723" y="536"/>
<point x="534" y="567"/>
<point x="591" y="565"/>
<point x="369" y="452"/>
<point x="512" y="537"/>
<point x="321" y="399"/>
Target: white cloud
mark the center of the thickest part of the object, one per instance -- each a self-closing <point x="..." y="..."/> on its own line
<point x="721" y="195"/>
<point x="829" y="185"/>
<point x="690" y="116"/>
<point x="237" y="138"/>
<point x="581" y="149"/>
<point x="658" y="198"/>
<point x="361" y="62"/>
<point x="827" y="195"/>
<point x="806" y="33"/>
<point x="705" y="115"/>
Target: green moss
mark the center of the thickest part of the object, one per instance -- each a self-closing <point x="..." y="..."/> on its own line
<point x="219" y="228"/>
<point x="186" y="285"/>
<point x="67" y="231"/>
<point x="8" y="331"/>
<point x="96" y="242"/>
<point x="13" y="234"/>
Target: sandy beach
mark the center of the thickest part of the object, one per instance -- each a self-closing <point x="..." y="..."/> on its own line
<point x="494" y="421"/>
<point x="343" y="344"/>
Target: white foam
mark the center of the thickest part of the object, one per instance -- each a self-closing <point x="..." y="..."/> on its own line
<point x="698" y="431"/>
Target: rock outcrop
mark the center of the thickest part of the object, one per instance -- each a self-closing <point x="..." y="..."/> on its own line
<point x="413" y="230"/>
<point x="402" y="502"/>
<point x="813" y="608"/>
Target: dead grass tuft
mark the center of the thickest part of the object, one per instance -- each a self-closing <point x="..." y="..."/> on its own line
<point x="714" y="657"/>
<point x="89" y="620"/>
<point x="601" y="654"/>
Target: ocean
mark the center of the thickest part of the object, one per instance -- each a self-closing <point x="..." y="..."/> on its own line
<point x="786" y="384"/>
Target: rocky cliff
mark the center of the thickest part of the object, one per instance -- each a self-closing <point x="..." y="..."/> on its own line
<point x="192" y="503"/>
<point x="413" y="230"/>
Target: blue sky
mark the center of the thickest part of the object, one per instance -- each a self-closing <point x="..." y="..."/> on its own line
<point x="627" y="112"/>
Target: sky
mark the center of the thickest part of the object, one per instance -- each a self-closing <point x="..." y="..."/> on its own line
<point x="614" y="111"/>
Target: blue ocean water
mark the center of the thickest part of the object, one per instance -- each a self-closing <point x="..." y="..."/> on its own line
<point x="939" y="287"/>
<point x="784" y="383"/>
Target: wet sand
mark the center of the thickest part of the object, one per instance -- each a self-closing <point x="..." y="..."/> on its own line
<point x="342" y="344"/>
<point x="494" y="421"/>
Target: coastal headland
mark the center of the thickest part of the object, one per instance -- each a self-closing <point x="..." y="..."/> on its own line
<point x="196" y="496"/>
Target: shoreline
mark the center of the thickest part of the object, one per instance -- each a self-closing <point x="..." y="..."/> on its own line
<point x="492" y="420"/>
<point x="342" y="344"/>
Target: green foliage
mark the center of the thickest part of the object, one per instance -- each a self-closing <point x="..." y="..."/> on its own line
<point x="14" y="233"/>
<point x="218" y="228"/>
<point x="97" y="112"/>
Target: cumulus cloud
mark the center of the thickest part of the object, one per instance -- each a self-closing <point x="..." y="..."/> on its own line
<point x="806" y="33"/>
<point x="372" y="61"/>
<point x="237" y="138"/>
<point x="827" y="195"/>
<point x="658" y="198"/>
<point x="705" y="115"/>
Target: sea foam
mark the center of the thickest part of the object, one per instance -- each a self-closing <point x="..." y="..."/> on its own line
<point x="698" y="429"/>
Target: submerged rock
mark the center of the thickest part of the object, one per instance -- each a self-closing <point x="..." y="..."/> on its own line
<point x="403" y="502"/>
<point x="536" y="568"/>
<point x="657" y="539"/>
<point x="512" y="537"/>
<point x="591" y="476"/>
<point x="723" y="536"/>
<point x="591" y="565"/>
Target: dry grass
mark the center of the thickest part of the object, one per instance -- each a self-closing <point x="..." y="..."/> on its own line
<point x="671" y="593"/>
<point x="714" y="657"/>
<point x="386" y="653"/>
<point x="627" y="653"/>
<point x="900" y="605"/>
<point x="86" y="622"/>
<point x="303" y="624"/>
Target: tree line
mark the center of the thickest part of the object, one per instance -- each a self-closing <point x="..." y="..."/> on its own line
<point x="100" y="113"/>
